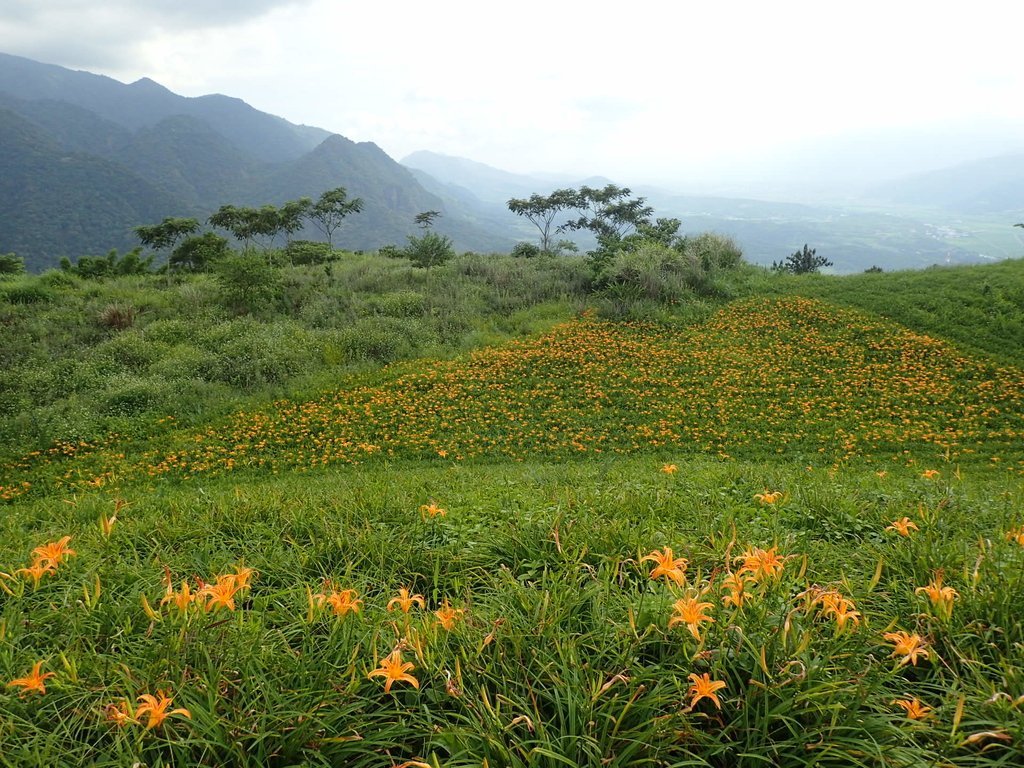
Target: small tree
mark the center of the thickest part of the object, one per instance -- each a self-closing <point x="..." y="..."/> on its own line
<point x="802" y="262"/>
<point x="541" y="211"/>
<point x="199" y="253"/>
<point x="426" y="219"/>
<point x="242" y="223"/>
<point x="330" y="210"/>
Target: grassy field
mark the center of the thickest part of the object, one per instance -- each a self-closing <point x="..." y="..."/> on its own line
<point x="784" y="527"/>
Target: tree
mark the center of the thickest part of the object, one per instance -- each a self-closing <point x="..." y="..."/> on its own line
<point x="291" y="215"/>
<point x="426" y="219"/>
<point x="167" y="233"/>
<point x="609" y="213"/>
<point x="242" y="223"/>
<point x="198" y="253"/>
<point x="541" y="211"/>
<point x="802" y="262"/>
<point x="330" y="210"/>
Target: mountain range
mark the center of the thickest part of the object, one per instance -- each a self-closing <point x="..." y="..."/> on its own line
<point x="85" y="158"/>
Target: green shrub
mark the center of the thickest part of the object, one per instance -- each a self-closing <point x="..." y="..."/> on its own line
<point x="308" y="252"/>
<point x="651" y="271"/>
<point x="56" y="278"/>
<point x="430" y="250"/>
<point x="398" y="304"/>
<point x="526" y="250"/>
<point x="11" y="265"/>
<point x="248" y="283"/>
<point x="249" y="354"/>
<point x="131" y="395"/>
<point x="382" y="339"/>
<point x="713" y="251"/>
<point x="27" y="293"/>
<point x="199" y="253"/>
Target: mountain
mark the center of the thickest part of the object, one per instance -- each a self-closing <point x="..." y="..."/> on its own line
<point x="989" y="185"/>
<point x="85" y="158"/>
<point x="52" y="197"/>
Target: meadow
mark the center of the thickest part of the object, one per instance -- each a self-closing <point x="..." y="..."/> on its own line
<point x="765" y="525"/>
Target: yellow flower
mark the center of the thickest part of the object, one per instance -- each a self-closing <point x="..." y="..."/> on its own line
<point x="703" y="687"/>
<point x="1016" y="534"/>
<point x="930" y="474"/>
<point x="668" y="565"/>
<point x="405" y="601"/>
<point x="55" y="552"/>
<point x="34" y="680"/>
<point x="761" y="563"/>
<point x="915" y="709"/>
<point x="432" y="510"/>
<point x="690" y="612"/>
<point x="156" y="708"/>
<point x="768" y="497"/>
<point x="941" y="597"/>
<point x="37" y="570"/>
<point x="448" y="615"/>
<point x="907" y="645"/>
<point x="902" y="527"/>
<point x="394" y="670"/>
<point x="341" y="602"/>
<point x="669" y="469"/>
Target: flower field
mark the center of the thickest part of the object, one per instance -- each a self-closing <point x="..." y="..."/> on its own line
<point x="789" y="535"/>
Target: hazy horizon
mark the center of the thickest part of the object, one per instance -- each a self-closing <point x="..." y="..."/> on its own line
<point x="796" y="95"/>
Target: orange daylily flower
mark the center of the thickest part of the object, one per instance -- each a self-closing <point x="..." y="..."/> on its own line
<point x="394" y="670"/>
<point x="120" y="714"/>
<point x="405" y="601"/>
<point x="1016" y="534"/>
<point x="735" y="585"/>
<point x="903" y="526"/>
<point x="55" y="552"/>
<point x="34" y="680"/>
<point x="156" y="708"/>
<point x="432" y="510"/>
<point x="448" y="615"/>
<point x="669" y="469"/>
<point x="907" y="645"/>
<point x="768" y="497"/>
<point x="341" y="602"/>
<point x="221" y="594"/>
<point x="668" y="565"/>
<point x="930" y="474"/>
<point x="37" y="570"/>
<point x="690" y="611"/>
<point x="703" y="687"/>
<point x="915" y="709"/>
<point x="181" y="600"/>
<point x="761" y="563"/>
<point x="941" y="597"/>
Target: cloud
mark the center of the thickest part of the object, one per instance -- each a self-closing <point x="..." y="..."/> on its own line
<point x="85" y="34"/>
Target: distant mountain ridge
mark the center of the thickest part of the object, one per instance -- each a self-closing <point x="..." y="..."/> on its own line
<point x="85" y="158"/>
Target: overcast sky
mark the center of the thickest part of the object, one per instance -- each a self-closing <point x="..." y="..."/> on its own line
<point x="639" y="91"/>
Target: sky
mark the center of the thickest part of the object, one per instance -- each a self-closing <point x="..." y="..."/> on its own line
<point x="671" y="91"/>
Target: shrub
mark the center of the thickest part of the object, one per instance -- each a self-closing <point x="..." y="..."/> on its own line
<point x="26" y="293"/>
<point x="199" y="253"/>
<point x="308" y="252"/>
<point x="430" y="250"/>
<point x="802" y="262"/>
<point x="713" y="251"/>
<point x="652" y="271"/>
<point x="248" y="283"/>
<point x="11" y="264"/>
<point x="526" y="250"/>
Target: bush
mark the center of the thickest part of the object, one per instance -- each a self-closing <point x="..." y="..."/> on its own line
<point x="430" y="250"/>
<point x="248" y="283"/>
<point x="117" y="317"/>
<point x="308" y="252"/>
<point x="713" y="251"/>
<point x="26" y="293"/>
<point x="199" y="253"/>
<point x="11" y="264"/>
<point x="802" y="262"/>
<point x="652" y="271"/>
<point x="526" y="250"/>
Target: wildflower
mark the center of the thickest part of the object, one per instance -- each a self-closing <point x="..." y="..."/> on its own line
<point x="703" y="687"/>
<point x="393" y="670"/>
<point x="220" y="594"/>
<point x="941" y="597"/>
<point x="181" y="600"/>
<point x="669" y="469"/>
<point x="37" y="570"/>
<point x="405" y="601"/>
<point x="690" y="612"/>
<point x="735" y="584"/>
<point x="760" y="563"/>
<point x="341" y="602"/>
<point x="242" y="576"/>
<point x="930" y="474"/>
<point x="432" y="510"/>
<point x="909" y="646"/>
<point x="156" y="708"/>
<point x="668" y="565"/>
<point x="120" y="714"/>
<point x="1016" y="534"/>
<point x="840" y="608"/>
<point x="768" y="497"/>
<point x="448" y="615"/>
<point x="55" y="552"/>
<point x="915" y="709"/>
<point x="902" y="527"/>
<point x="34" y="680"/>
